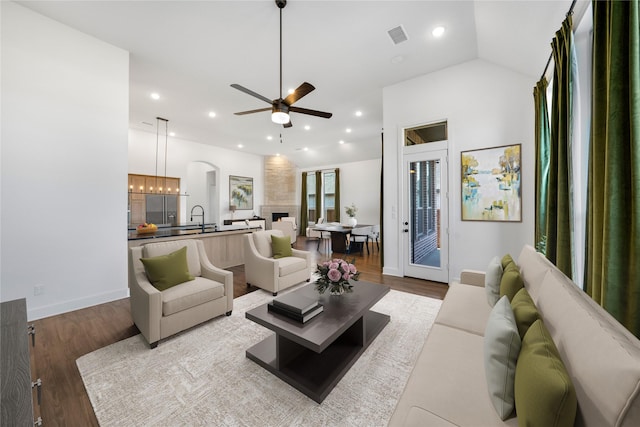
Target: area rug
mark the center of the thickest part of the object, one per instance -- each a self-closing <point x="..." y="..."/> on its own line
<point x="202" y="376"/>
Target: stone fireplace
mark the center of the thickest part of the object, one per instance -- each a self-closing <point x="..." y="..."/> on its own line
<point x="279" y="190"/>
<point x="269" y="212"/>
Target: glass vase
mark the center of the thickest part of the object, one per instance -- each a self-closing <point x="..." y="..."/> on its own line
<point x="336" y="290"/>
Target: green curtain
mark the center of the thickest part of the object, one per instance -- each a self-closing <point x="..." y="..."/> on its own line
<point x="612" y="272"/>
<point x="319" y="206"/>
<point x="337" y="195"/>
<point x="542" y="162"/>
<point x="304" y="208"/>
<point x="558" y="221"/>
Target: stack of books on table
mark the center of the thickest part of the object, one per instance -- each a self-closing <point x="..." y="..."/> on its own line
<point x="296" y="307"/>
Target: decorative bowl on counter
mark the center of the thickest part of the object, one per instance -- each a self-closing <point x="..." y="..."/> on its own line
<point x="146" y="228"/>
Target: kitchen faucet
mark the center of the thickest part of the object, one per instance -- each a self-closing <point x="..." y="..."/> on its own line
<point x="201" y="215"/>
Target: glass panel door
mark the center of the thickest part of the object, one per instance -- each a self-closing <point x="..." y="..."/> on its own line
<point x="425" y="225"/>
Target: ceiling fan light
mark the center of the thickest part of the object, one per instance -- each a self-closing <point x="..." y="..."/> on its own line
<point x="279" y="117"/>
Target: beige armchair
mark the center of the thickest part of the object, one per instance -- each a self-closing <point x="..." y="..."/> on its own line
<point x="288" y="228"/>
<point x="160" y="314"/>
<point x="270" y="274"/>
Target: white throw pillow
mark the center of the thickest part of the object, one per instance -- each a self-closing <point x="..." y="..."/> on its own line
<point x="492" y="278"/>
<point x="501" y="349"/>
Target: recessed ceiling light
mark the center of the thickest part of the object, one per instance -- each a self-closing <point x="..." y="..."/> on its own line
<point x="305" y="149"/>
<point x="278" y="154"/>
<point x="307" y="127"/>
<point x="358" y="113"/>
<point x="438" y="32"/>
<point x="155" y="96"/>
<point x="341" y="142"/>
<point x="397" y="59"/>
<point x="212" y="114"/>
<point x="348" y="130"/>
<point x="172" y="134"/>
<point x="240" y="145"/>
<point x="269" y="137"/>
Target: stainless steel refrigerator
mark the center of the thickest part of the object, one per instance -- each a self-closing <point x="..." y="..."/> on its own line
<point x="162" y="209"/>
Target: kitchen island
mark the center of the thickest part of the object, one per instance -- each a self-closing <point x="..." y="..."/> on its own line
<point x="223" y="244"/>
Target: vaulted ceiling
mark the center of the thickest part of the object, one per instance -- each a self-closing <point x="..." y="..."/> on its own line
<point x="190" y="52"/>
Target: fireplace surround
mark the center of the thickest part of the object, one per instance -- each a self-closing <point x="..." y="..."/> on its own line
<point x="272" y="212"/>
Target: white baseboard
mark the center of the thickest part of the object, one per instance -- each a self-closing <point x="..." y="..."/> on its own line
<point x="67" y="306"/>
<point x="391" y="272"/>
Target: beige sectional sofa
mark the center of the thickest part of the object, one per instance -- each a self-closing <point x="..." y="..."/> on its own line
<point x="448" y="386"/>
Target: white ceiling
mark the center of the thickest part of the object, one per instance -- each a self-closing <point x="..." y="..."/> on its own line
<point x="191" y="51"/>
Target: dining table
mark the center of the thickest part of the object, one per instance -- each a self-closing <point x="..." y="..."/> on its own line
<point x="340" y="234"/>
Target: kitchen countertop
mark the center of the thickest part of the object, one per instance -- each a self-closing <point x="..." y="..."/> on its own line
<point x="187" y="231"/>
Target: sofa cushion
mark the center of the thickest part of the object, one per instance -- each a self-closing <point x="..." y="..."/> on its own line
<point x="501" y="349"/>
<point x="281" y="246"/>
<point x="467" y="299"/>
<point x="510" y="283"/>
<point x="449" y="380"/>
<point x="595" y="348"/>
<point x="165" y="271"/>
<point x="524" y="311"/>
<point x="533" y="267"/>
<point x="418" y="417"/>
<point x="190" y="294"/>
<point x="262" y="241"/>
<point x="545" y="395"/>
<point x="492" y="280"/>
<point x="290" y="265"/>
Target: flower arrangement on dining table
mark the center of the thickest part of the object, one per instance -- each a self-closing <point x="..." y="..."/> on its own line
<point x="335" y="275"/>
<point x="351" y="210"/>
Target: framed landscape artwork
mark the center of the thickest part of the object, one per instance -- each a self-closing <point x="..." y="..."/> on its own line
<point x="241" y="192"/>
<point x="491" y="187"/>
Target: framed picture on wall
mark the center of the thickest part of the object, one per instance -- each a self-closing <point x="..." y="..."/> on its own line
<point x="241" y="192"/>
<point x="491" y="185"/>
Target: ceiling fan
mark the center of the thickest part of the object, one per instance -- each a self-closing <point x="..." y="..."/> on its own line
<point x="280" y="108"/>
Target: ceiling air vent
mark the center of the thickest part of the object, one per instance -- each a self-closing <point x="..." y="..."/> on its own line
<point x="398" y="34"/>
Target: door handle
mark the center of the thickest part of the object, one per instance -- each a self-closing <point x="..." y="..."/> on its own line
<point x="406" y="230"/>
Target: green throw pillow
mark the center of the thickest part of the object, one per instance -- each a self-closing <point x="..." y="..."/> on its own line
<point x="524" y="310"/>
<point x="281" y="246"/>
<point x="165" y="271"/>
<point x="545" y="395"/>
<point x="510" y="283"/>
<point x="512" y="266"/>
<point x="501" y="349"/>
<point x="506" y="260"/>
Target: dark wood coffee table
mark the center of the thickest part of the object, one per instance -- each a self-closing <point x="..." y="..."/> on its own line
<point x="314" y="356"/>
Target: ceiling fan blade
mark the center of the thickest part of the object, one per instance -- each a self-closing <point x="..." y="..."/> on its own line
<point x="301" y="91"/>
<point x="311" y="112"/>
<point x="288" y="124"/>
<point x="250" y="92"/>
<point x="259" y="110"/>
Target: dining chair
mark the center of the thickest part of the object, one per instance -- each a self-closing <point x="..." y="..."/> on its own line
<point x="359" y="235"/>
<point x="375" y="235"/>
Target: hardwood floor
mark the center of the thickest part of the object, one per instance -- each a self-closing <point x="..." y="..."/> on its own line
<point x="64" y="338"/>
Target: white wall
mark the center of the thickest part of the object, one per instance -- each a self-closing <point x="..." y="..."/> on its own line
<point x="360" y="185"/>
<point x="486" y="106"/>
<point x="181" y="155"/>
<point x="65" y="108"/>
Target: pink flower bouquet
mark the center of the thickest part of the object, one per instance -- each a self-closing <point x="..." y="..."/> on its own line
<point x="335" y="275"/>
